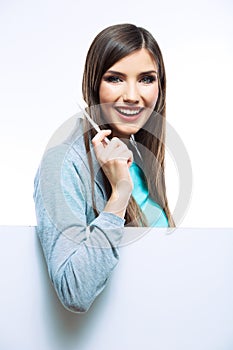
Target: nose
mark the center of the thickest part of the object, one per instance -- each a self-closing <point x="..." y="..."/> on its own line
<point x="131" y="94"/>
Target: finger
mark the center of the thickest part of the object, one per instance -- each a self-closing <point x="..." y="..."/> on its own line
<point x="130" y="159"/>
<point x="127" y="152"/>
<point x="100" y="145"/>
<point x="100" y="136"/>
<point x="117" y="144"/>
<point x="120" y="153"/>
<point x="128" y="156"/>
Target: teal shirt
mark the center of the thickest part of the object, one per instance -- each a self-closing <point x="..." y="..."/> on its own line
<point x="153" y="212"/>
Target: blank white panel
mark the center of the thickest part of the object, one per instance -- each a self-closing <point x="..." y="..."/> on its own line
<point x="169" y="291"/>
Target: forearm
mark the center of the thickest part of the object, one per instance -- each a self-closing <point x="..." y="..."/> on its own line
<point x="118" y="202"/>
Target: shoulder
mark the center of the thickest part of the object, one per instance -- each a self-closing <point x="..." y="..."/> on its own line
<point x="66" y="144"/>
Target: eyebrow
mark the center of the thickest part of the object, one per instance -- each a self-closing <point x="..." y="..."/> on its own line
<point x="124" y="75"/>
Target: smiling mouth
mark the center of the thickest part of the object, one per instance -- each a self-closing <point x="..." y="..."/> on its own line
<point x="129" y="112"/>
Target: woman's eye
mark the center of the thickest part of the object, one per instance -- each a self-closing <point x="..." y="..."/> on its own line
<point x="113" y="79"/>
<point x="148" y="79"/>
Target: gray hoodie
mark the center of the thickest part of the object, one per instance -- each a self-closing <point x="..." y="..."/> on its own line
<point x="81" y="250"/>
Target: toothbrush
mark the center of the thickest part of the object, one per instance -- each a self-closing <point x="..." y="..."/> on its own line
<point x="95" y="126"/>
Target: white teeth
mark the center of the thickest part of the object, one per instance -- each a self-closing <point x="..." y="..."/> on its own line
<point x="128" y="111"/>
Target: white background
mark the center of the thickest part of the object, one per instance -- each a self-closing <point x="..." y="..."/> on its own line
<point x="43" y="45"/>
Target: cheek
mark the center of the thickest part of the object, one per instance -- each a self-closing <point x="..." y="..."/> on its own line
<point x="152" y="97"/>
<point x="107" y="93"/>
<point x="150" y="94"/>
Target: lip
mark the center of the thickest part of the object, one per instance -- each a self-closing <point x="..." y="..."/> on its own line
<point x="129" y="113"/>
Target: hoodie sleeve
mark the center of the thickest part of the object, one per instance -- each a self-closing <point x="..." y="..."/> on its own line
<point x="81" y="250"/>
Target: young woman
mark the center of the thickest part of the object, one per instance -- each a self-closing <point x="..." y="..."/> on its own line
<point x="92" y="185"/>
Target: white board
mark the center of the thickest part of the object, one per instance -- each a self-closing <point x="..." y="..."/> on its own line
<point x="168" y="292"/>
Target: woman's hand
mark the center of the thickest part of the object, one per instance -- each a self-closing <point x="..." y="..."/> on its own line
<point x="115" y="159"/>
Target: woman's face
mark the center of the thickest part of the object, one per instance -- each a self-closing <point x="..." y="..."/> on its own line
<point x="128" y="93"/>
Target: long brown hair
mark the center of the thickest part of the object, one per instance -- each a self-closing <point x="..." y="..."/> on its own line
<point x="109" y="46"/>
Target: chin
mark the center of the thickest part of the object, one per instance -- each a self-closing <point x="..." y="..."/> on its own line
<point x="126" y="132"/>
